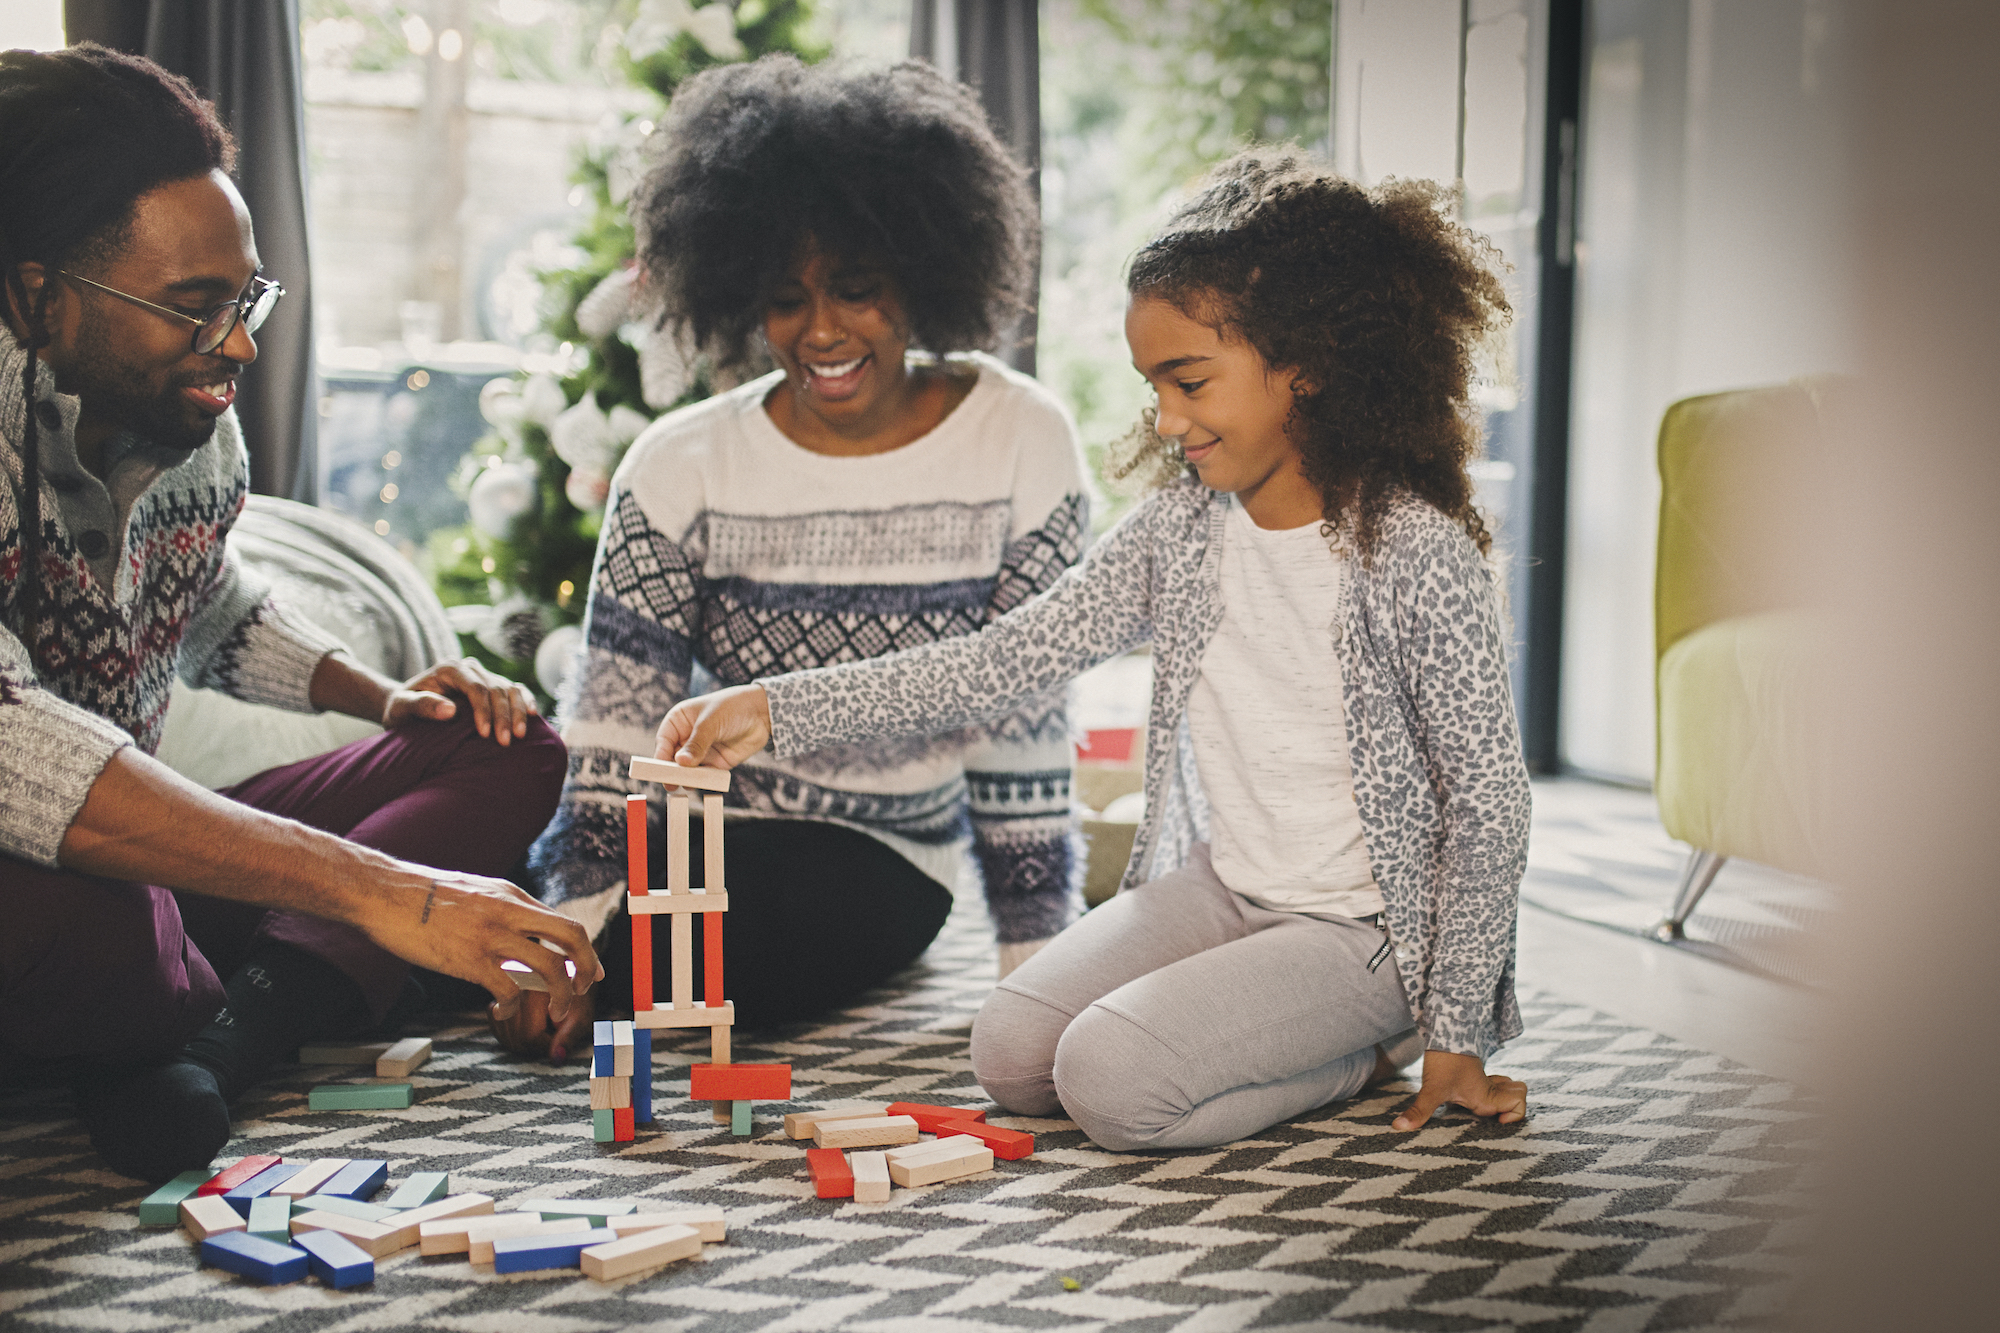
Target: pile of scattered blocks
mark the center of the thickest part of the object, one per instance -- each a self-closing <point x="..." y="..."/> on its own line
<point x="276" y="1221"/>
<point x="961" y="1144"/>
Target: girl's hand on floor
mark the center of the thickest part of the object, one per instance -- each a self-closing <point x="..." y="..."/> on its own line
<point x="1463" y="1081"/>
<point x="720" y="729"/>
<point x="531" y="1032"/>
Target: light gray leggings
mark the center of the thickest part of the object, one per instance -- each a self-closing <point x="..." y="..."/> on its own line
<point x="1181" y="1015"/>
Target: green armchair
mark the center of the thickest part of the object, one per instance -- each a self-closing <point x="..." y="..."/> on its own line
<point x="1737" y="771"/>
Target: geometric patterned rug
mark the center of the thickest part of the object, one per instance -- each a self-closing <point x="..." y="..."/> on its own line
<point x="1653" y="1187"/>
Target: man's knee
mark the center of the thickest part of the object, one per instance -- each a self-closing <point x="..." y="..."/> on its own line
<point x="1013" y="1051"/>
<point x="1113" y="1077"/>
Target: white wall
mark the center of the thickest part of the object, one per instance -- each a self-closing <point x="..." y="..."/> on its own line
<point x="1712" y="255"/>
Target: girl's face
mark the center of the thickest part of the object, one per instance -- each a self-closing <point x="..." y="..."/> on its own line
<point x="840" y="333"/>
<point x="1228" y="409"/>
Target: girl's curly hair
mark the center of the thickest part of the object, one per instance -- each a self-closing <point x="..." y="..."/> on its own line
<point x="896" y="167"/>
<point x="1379" y="301"/>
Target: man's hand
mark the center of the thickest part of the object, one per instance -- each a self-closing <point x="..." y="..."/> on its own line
<point x="531" y="1031"/>
<point x="500" y="708"/>
<point x="720" y="729"/>
<point x="1463" y="1081"/>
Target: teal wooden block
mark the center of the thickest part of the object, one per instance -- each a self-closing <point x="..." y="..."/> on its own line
<point x="601" y="1127"/>
<point x="739" y="1118"/>
<point x="162" y="1208"/>
<point x="593" y="1210"/>
<point x="422" y="1188"/>
<point x="334" y="1203"/>
<point x="271" y="1219"/>
<point x="362" y="1097"/>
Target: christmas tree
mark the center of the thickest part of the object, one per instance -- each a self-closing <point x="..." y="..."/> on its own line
<point x="535" y="484"/>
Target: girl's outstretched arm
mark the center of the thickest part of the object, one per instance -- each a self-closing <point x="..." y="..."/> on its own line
<point x="1463" y="1081"/>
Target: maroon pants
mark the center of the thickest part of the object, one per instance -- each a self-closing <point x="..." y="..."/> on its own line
<point x="104" y="970"/>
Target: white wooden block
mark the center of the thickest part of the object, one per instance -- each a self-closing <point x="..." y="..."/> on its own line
<point x="404" y="1058"/>
<point x="701" y="778"/>
<point x="707" y="1221"/>
<point x="799" y="1124"/>
<point x="955" y="1143"/>
<point x="406" y="1228"/>
<point x="610" y="1093"/>
<point x="373" y="1237"/>
<point x="871" y="1176"/>
<point x="699" y="1015"/>
<point x="711" y="844"/>
<point x="621" y="1048"/>
<point x="693" y="902"/>
<point x="931" y="1168"/>
<point x="639" y="1251"/>
<point x="874" y="1132"/>
<point x="308" y="1181"/>
<point x="207" y="1215"/>
<point x="479" y="1246"/>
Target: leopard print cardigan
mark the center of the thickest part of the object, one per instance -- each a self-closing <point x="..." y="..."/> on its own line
<point x="1439" y="778"/>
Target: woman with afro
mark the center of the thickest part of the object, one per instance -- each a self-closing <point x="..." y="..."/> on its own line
<point x="887" y="485"/>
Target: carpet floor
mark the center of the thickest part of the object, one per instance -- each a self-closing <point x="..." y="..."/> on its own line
<point x="1654" y="1187"/>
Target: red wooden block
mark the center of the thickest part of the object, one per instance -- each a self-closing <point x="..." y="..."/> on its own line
<point x="832" y="1177"/>
<point x="621" y="1125"/>
<point x="1010" y="1144"/>
<point x="929" y="1117"/>
<point x="711" y="959"/>
<point x="636" y="876"/>
<point x="740" y="1083"/>
<point x="233" y="1176"/>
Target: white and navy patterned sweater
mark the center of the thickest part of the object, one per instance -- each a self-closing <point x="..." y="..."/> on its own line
<point x="729" y="552"/>
<point x="144" y="589"/>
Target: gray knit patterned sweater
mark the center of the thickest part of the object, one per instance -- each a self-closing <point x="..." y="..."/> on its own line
<point x="138" y="584"/>
<point x="1438" y="774"/>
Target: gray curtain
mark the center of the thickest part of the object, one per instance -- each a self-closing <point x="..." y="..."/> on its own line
<point x="244" y="56"/>
<point x="994" y="45"/>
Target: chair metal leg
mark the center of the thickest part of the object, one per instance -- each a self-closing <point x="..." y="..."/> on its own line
<point x="1695" y="879"/>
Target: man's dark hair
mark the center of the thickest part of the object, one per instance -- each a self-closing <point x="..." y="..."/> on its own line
<point x="895" y="167"/>
<point x="83" y="134"/>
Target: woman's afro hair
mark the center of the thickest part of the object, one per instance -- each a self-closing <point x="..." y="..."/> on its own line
<point x="1376" y="299"/>
<point x="895" y="167"/>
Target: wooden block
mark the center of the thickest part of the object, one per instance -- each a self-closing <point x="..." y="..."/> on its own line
<point x="680" y="929"/>
<point x="1008" y="1144"/>
<point x="479" y="1240"/>
<point x="598" y="1212"/>
<point x="454" y="1235"/>
<point x="712" y="849"/>
<point x="260" y="1260"/>
<point x="709" y="1223"/>
<point x="711" y="952"/>
<point x="701" y="1016"/>
<point x="261" y="1184"/>
<point x="406" y="1229"/>
<point x="335" y="1203"/>
<point x="404" y="1058"/>
<point x="374" y="1237"/>
<point x="532" y="1253"/>
<point x="622" y="1128"/>
<point x="691" y="902"/>
<point x="335" y="1260"/>
<point x="934" y="1167"/>
<point x="871" y="1177"/>
<point x="702" y="778"/>
<point x="362" y="1097"/>
<point x="636" y="1253"/>
<point x="337" y="1053"/>
<point x="911" y="1151"/>
<point x="206" y="1215"/>
<point x="739" y="1119"/>
<point x="929" y="1117"/>
<point x="421" y="1188"/>
<point x="621" y="1049"/>
<point x="608" y="1094"/>
<point x="874" y="1132"/>
<point x="358" y="1180"/>
<point x="601" y="1125"/>
<point x="603" y="1060"/>
<point x="832" y="1179"/>
<point x="162" y="1208"/>
<point x="270" y="1218"/>
<point x="740" y="1083"/>
<point x="230" y="1177"/>
<point x="638" y="878"/>
<point x="309" y="1180"/>
<point x="799" y="1124"/>
<point x="718" y="1054"/>
<point x="677" y="842"/>
<point x="642" y="1076"/>
<point x="638" y="874"/>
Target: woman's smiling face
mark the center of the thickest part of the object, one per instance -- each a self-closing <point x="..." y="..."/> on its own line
<point x="839" y="331"/>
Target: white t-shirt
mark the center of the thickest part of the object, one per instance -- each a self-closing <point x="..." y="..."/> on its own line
<point x="1269" y="731"/>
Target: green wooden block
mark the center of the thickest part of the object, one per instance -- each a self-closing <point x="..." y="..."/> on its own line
<point x="271" y="1218"/>
<point x="333" y="1203"/>
<point x="600" y="1126"/>
<point x="422" y="1188"/>
<point x="739" y="1118"/>
<point x="361" y="1097"/>
<point x="162" y="1208"/>
<point x="595" y="1211"/>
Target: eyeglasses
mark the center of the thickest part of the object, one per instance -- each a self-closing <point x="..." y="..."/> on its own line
<point x="213" y="329"/>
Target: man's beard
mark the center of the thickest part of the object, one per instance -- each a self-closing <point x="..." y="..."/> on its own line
<point x="114" y="392"/>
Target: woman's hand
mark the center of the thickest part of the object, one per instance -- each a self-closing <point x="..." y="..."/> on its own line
<point x="720" y="729"/>
<point x="1463" y="1081"/>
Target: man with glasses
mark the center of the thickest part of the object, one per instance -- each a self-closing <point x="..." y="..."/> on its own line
<point x="164" y="945"/>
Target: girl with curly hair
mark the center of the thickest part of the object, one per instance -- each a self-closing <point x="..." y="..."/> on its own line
<point x="864" y="496"/>
<point x="1324" y="887"/>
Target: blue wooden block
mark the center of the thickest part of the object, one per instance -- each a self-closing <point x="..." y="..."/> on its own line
<point x="739" y="1118"/>
<point x="271" y="1218"/>
<point x="642" y="1076"/>
<point x="603" y="1057"/>
<point x="422" y="1188"/>
<point x="357" y="1180"/>
<point x="162" y="1208"/>
<point x="525" y="1254"/>
<point x="266" y="1262"/>
<point x="261" y="1184"/>
<point x="335" y="1260"/>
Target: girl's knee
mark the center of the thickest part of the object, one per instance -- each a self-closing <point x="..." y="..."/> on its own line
<point x="1112" y="1077"/>
<point x="1013" y="1052"/>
